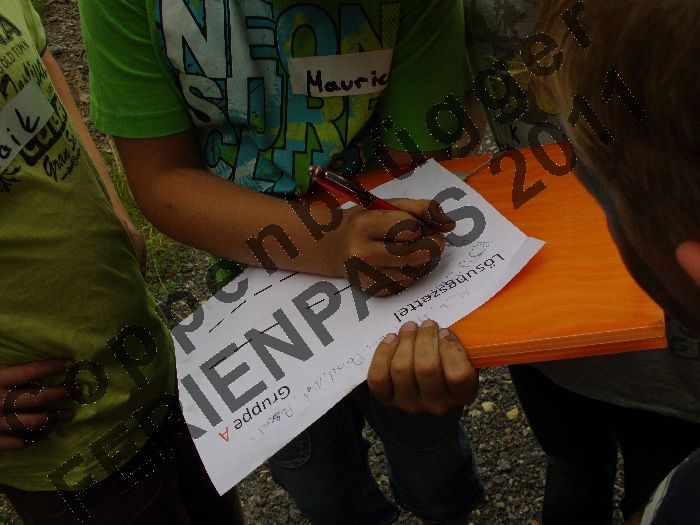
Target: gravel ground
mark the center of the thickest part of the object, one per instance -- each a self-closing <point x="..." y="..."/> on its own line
<point x="511" y="463"/>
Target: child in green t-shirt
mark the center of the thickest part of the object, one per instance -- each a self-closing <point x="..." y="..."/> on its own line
<point x="219" y="108"/>
<point x="106" y="441"/>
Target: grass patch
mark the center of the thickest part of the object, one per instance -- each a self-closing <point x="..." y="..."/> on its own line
<point x="7" y="513"/>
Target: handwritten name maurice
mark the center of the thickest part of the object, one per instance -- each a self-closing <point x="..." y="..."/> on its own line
<point x="315" y="83"/>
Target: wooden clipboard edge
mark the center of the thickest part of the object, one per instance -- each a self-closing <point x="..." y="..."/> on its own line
<point x="652" y="338"/>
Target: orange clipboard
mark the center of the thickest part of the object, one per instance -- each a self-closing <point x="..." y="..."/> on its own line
<point x="575" y="298"/>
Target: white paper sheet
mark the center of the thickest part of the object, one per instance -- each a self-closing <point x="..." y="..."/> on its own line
<point x="246" y="394"/>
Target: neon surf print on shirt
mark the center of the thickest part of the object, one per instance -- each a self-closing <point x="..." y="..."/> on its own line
<point x="231" y="60"/>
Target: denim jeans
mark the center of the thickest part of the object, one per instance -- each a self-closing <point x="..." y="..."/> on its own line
<point x="581" y="436"/>
<point x="165" y="483"/>
<point x="429" y="462"/>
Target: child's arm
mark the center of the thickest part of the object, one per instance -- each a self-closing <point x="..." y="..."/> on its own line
<point x="63" y="91"/>
<point x="422" y="369"/>
<point x="198" y="208"/>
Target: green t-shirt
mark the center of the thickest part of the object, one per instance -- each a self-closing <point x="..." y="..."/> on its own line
<point x="70" y="280"/>
<point x="273" y="87"/>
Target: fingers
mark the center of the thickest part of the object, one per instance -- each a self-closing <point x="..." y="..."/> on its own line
<point x="379" y="375"/>
<point x="397" y="226"/>
<point x="9" y="443"/>
<point x="24" y="410"/>
<point x="434" y="395"/>
<point x="436" y="217"/>
<point x="394" y="239"/>
<point x="403" y="228"/>
<point x="423" y="369"/>
<point x="35" y="398"/>
<point x="385" y="253"/>
<point x="22" y="423"/>
<point x="461" y="378"/>
<point x="428" y="210"/>
<point x="391" y="281"/>
<point x="376" y="223"/>
<point x="35" y="371"/>
<point x="384" y="256"/>
<point x="403" y="375"/>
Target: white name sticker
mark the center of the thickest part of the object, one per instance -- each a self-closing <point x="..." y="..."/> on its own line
<point x="20" y="120"/>
<point x="340" y="75"/>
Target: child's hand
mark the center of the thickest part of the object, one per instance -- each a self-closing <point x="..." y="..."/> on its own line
<point x="23" y="410"/>
<point x="393" y="242"/>
<point x="422" y="369"/>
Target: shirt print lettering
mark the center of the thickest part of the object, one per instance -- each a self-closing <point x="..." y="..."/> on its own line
<point x="231" y="61"/>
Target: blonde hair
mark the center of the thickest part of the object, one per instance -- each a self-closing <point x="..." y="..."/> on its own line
<point x="651" y="167"/>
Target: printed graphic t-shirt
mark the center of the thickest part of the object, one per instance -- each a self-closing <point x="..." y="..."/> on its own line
<point x="275" y="86"/>
<point x="496" y="32"/>
<point x="70" y="281"/>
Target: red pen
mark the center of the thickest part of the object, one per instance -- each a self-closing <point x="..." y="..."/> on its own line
<point x="339" y="185"/>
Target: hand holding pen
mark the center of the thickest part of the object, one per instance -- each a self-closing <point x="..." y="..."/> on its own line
<point x="434" y="220"/>
<point x="401" y="238"/>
